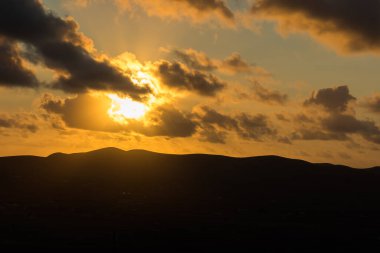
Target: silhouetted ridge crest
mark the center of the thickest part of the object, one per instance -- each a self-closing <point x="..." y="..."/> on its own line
<point x="139" y="200"/>
<point x="269" y="160"/>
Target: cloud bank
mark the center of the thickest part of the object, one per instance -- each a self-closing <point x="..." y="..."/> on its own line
<point x="348" y="26"/>
<point x="57" y="44"/>
<point x="195" y="10"/>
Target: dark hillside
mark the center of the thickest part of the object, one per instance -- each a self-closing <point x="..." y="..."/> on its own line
<point x="112" y="200"/>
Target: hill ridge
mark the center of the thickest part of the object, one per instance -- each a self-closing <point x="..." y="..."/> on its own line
<point x="138" y="198"/>
<point x="118" y="151"/>
<point x="114" y="150"/>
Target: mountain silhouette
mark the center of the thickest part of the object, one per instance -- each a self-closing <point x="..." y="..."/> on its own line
<point x="111" y="200"/>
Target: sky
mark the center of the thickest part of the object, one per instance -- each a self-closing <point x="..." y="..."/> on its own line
<point x="233" y="77"/>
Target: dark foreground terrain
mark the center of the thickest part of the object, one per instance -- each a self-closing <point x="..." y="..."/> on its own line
<point x="115" y="201"/>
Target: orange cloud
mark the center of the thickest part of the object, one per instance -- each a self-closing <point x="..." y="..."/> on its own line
<point x="349" y="27"/>
<point x="197" y="11"/>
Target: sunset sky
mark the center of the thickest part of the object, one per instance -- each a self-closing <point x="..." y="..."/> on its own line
<point x="293" y="78"/>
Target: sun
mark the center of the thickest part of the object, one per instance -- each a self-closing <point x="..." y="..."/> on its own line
<point x="123" y="109"/>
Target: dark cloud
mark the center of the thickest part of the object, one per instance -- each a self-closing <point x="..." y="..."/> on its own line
<point x="268" y="96"/>
<point x="176" y="75"/>
<point x="347" y="25"/>
<point x="210" y="5"/>
<point x="348" y="124"/>
<point x="17" y="121"/>
<point x="12" y="71"/>
<point x="87" y="73"/>
<point x="233" y="64"/>
<point x="197" y="11"/>
<point x="336" y="122"/>
<point x="213" y="125"/>
<point x="317" y="134"/>
<point x="236" y="64"/>
<point x="249" y="127"/>
<point x="254" y="126"/>
<point x="332" y="99"/>
<point x="210" y="133"/>
<point x="195" y="60"/>
<point x="170" y="122"/>
<point x="210" y="116"/>
<point x="62" y="48"/>
<point x="372" y="103"/>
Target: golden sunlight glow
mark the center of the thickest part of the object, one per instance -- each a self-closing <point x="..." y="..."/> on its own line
<point x="139" y="73"/>
<point x="123" y="109"/>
